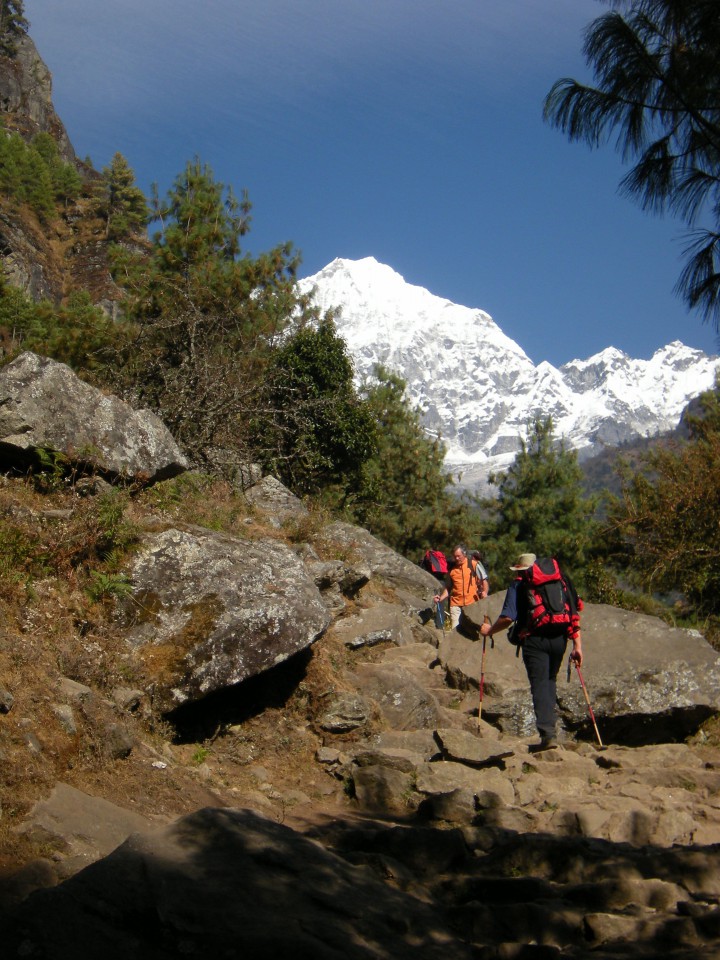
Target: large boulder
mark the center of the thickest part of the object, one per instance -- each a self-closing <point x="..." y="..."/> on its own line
<point x="404" y="703"/>
<point x="44" y="406"/>
<point x="208" y="611"/>
<point x="647" y="682"/>
<point x="88" y="827"/>
<point x="229" y="883"/>
<point x="384" y="563"/>
<point x="381" y="623"/>
<point x="273" y="498"/>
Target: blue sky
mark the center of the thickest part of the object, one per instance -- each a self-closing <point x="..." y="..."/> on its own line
<point x="407" y="130"/>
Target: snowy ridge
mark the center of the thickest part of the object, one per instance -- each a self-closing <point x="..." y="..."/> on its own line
<point x="477" y="386"/>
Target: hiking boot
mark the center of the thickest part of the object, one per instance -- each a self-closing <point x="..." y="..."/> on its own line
<point x="547" y="743"/>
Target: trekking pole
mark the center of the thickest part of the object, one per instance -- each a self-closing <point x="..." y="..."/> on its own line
<point x="587" y="701"/>
<point x="482" y="672"/>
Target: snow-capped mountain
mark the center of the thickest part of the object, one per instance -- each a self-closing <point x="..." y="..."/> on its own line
<point x="479" y="389"/>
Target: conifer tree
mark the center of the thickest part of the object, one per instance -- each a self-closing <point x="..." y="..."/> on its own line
<point x="65" y="179"/>
<point x="34" y="173"/>
<point x="12" y="25"/>
<point x="541" y="507"/>
<point x="202" y="223"/>
<point x="657" y="70"/>
<point x="121" y="202"/>
<point x="405" y="495"/>
<point x="207" y="315"/>
<point x="323" y="432"/>
<point x="77" y="333"/>
<point x="25" y="176"/>
<point x="36" y="186"/>
<point x="665" y="525"/>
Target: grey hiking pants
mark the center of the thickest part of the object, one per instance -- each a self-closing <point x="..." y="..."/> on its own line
<point x="543" y="657"/>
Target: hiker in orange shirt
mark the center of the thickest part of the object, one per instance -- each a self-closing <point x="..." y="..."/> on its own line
<point x="468" y="583"/>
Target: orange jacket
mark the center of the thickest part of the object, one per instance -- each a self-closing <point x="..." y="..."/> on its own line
<point x="463" y="587"/>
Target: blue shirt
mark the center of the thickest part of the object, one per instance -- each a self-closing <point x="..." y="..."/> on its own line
<point x="510" y="607"/>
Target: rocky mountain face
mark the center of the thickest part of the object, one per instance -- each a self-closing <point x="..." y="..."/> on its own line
<point x="26" y="97"/>
<point x="477" y="387"/>
<point x="49" y="261"/>
<point x="346" y="792"/>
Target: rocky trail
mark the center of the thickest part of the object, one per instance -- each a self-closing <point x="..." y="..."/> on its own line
<point x="263" y="747"/>
<point x="434" y="834"/>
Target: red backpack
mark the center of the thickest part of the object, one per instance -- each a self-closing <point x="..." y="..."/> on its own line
<point x="435" y="562"/>
<point x="547" y="602"/>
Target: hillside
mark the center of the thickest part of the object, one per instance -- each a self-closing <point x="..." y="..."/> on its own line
<point x="368" y="743"/>
<point x="203" y="686"/>
<point x="49" y="260"/>
<point x="228" y="725"/>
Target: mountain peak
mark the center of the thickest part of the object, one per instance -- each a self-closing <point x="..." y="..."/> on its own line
<point x="477" y="387"/>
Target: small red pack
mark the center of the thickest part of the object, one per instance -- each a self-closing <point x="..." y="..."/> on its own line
<point x="435" y="562"/>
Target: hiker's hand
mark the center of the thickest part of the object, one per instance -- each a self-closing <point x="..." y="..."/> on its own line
<point x="576" y="655"/>
<point x="485" y="629"/>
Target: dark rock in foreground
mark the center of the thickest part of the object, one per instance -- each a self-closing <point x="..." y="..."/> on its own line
<point x="228" y="883"/>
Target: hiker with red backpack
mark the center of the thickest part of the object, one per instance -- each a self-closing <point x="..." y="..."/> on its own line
<point x="467" y="582"/>
<point x="543" y="608"/>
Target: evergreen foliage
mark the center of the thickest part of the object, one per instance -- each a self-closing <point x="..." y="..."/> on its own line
<point x="202" y="224"/>
<point x="66" y="181"/>
<point x="540" y="506"/>
<point x="405" y="496"/>
<point x="13" y="25"/>
<point x="25" y="177"/>
<point x="76" y="333"/>
<point x="323" y="432"/>
<point x="17" y="311"/>
<point x="363" y="453"/>
<point x="34" y="174"/>
<point x="121" y="202"/>
<point x="207" y="316"/>
<point x="665" y="525"/>
<point x="657" y="71"/>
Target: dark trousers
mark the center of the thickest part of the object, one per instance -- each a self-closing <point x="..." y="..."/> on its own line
<point x="543" y="657"/>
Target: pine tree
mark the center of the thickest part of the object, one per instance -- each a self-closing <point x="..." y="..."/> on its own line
<point x="202" y="224"/>
<point x="65" y="179"/>
<point x="207" y="315"/>
<point x="657" y="70"/>
<point x="36" y="186"/>
<point x="406" y="496"/>
<point x="666" y="522"/>
<point x="323" y="432"/>
<point x="25" y="176"/>
<point x="35" y="174"/>
<point x="121" y="202"/>
<point x="13" y="25"/>
<point x="77" y="333"/>
<point x="541" y="507"/>
<point x="12" y="154"/>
